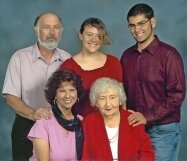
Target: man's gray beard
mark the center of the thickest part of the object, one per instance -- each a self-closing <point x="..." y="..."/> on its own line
<point x="49" y="44"/>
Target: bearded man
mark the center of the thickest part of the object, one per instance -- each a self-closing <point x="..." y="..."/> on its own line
<point x="26" y="77"/>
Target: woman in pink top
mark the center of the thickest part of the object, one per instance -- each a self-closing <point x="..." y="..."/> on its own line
<point x="90" y="63"/>
<point x="61" y="136"/>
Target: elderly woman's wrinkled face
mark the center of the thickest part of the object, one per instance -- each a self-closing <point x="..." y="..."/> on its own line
<point x="108" y="102"/>
<point x="66" y="95"/>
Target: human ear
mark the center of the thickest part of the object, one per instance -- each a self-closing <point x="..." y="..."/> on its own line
<point x="153" y="22"/>
<point x="80" y="36"/>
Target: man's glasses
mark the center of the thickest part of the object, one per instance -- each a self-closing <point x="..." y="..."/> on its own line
<point x="140" y="24"/>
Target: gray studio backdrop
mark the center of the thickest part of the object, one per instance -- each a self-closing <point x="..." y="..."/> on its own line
<point x="16" y="31"/>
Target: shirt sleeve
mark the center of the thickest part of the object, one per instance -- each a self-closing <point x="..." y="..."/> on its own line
<point x="39" y="130"/>
<point x="175" y="88"/>
<point x="12" y="83"/>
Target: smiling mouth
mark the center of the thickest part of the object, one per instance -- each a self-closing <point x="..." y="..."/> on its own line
<point x="67" y="101"/>
<point x="108" y="109"/>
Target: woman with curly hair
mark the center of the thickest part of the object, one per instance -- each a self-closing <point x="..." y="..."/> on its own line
<point x="61" y="136"/>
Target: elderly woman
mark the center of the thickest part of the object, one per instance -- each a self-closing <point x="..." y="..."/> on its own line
<point x="60" y="137"/>
<point x="108" y="135"/>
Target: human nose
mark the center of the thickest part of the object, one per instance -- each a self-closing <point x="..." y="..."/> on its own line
<point x="51" y="31"/>
<point x="136" y="28"/>
<point x="108" y="103"/>
<point x="94" y="38"/>
<point x="67" y="94"/>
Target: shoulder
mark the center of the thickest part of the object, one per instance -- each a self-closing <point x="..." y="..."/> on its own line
<point x="80" y="117"/>
<point x="22" y="55"/>
<point x="63" y="54"/>
<point x="113" y="59"/>
<point x="124" y="113"/>
<point x="68" y="63"/>
<point x="23" y="52"/>
<point x="129" y="50"/>
<point x="124" y="118"/>
<point x="166" y="48"/>
<point x="168" y="53"/>
<point x="92" y="118"/>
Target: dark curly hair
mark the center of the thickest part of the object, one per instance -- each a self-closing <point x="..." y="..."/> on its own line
<point x="59" y="76"/>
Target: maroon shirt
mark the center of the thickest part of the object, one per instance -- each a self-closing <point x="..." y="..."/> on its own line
<point x="154" y="81"/>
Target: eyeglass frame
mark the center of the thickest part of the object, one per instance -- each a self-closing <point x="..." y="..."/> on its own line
<point x="140" y="24"/>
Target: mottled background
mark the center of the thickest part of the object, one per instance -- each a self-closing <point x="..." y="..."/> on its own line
<point x="16" y="31"/>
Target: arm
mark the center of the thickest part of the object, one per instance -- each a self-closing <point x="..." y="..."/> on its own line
<point x="136" y="118"/>
<point x="174" y="88"/>
<point x="41" y="148"/>
<point x="13" y="91"/>
<point x="26" y="111"/>
<point x="145" y="148"/>
<point x="172" y="93"/>
<point x="39" y="135"/>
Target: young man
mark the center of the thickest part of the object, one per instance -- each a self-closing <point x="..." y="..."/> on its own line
<point x="26" y="77"/>
<point x="154" y="80"/>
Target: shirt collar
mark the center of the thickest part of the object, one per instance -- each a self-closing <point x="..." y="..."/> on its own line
<point x="37" y="55"/>
<point x="151" y="48"/>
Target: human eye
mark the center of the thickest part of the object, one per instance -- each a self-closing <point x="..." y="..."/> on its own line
<point x="72" y="90"/>
<point x="89" y="34"/>
<point x="62" y="91"/>
<point x="113" y="97"/>
<point x="46" y="27"/>
<point x="98" y="37"/>
<point x="101" y="98"/>
<point x="57" y="27"/>
<point x="131" y="26"/>
<point x="142" y="23"/>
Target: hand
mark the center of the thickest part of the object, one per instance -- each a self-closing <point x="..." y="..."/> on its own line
<point x="41" y="113"/>
<point x="136" y="118"/>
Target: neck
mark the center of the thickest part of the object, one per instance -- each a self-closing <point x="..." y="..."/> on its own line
<point x="145" y="43"/>
<point x="86" y="54"/>
<point x="67" y="113"/>
<point x="112" y="121"/>
<point x="46" y="53"/>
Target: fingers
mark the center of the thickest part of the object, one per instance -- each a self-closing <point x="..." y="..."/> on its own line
<point x="42" y="113"/>
<point x="131" y="111"/>
<point x="136" y="118"/>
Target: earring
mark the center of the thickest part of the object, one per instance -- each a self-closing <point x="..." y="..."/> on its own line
<point x="77" y="99"/>
<point x="54" y="101"/>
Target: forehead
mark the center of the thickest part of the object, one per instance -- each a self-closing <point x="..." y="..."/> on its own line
<point x="49" y="19"/>
<point x="90" y="28"/>
<point x="137" y="18"/>
<point x="66" y="84"/>
<point x="108" y="92"/>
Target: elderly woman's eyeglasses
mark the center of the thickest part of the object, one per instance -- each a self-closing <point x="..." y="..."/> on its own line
<point x="139" y="24"/>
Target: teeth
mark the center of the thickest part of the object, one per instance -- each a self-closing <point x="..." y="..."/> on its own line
<point x="68" y="101"/>
<point x="92" y="44"/>
<point x="139" y="34"/>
